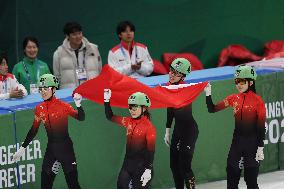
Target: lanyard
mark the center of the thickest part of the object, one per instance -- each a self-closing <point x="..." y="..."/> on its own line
<point x="84" y="56"/>
<point x="27" y="71"/>
<point x="5" y="85"/>
<point x="125" y="56"/>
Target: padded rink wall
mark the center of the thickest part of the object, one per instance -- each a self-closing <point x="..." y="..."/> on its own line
<point x="100" y="144"/>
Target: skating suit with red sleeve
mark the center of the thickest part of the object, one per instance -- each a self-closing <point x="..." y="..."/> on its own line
<point x="54" y="115"/>
<point x="141" y="137"/>
<point x="249" y="113"/>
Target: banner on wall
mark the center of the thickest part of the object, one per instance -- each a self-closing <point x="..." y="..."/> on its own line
<point x="274" y="122"/>
<point x="26" y="167"/>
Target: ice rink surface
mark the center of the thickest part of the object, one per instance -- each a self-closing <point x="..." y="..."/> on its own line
<point x="273" y="180"/>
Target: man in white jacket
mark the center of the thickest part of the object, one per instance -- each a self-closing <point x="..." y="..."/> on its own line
<point x="9" y="86"/>
<point x="129" y="57"/>
<point x="76" y="60"/>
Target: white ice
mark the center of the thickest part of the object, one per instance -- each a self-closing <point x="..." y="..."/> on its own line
<point x="273" y="180"/>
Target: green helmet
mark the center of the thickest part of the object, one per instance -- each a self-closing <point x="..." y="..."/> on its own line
<point x="245" y="72"/>
<point x="139" y="98"/>
<point x="48" y="80"/>
<point x="181" y="65"/>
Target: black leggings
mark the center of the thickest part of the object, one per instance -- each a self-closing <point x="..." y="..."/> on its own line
<point x="182" y="150"/>
<point x="250" y="177"/>
<point x="131" y="172"/>
<point x="242" y="147"/>
<point x="47" y="180"/>
<point x="59" y="154"/>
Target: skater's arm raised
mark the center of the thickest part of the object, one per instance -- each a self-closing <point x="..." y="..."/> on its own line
<point x="108" y="110"/>
<point x="80" y="113"/>
<point x="123" y="121"/>
<point x="211" y="107"/>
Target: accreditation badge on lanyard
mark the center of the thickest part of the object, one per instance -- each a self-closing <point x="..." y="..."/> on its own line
<point x="81" y="74"/>
<point x="4" y="87"/>
<point x="33" y="85"/>
<point x="33" y="88"/>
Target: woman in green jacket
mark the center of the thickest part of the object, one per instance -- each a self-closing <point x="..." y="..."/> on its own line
<point x="29" y="69"/>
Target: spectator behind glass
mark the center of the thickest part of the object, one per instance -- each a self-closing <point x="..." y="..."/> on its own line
<point x="9" y="86"/>
<point x="30" y="68"/>
<point x="77" y="59"/>
<point x="129" y="57"/>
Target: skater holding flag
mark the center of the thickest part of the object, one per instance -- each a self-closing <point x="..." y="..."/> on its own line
<point x="141" y="136"/>
<point x="54" y="113"/>
<point x="249" y="113"/>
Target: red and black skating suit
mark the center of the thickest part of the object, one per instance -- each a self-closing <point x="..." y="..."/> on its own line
<point x="54" y="113"/>
<point x="140" y="148"/>
<point x="249" y="133"/>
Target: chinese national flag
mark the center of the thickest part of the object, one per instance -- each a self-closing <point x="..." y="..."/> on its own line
<point x="123" y="86"/>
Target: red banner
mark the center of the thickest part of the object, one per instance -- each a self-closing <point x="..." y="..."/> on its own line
<point x="123" y="86"/>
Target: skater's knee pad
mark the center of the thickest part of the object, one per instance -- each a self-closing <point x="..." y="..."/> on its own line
<point x="56" y="167"/>
<point x="52" y="168"/>
<point x="190" y="183"/>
